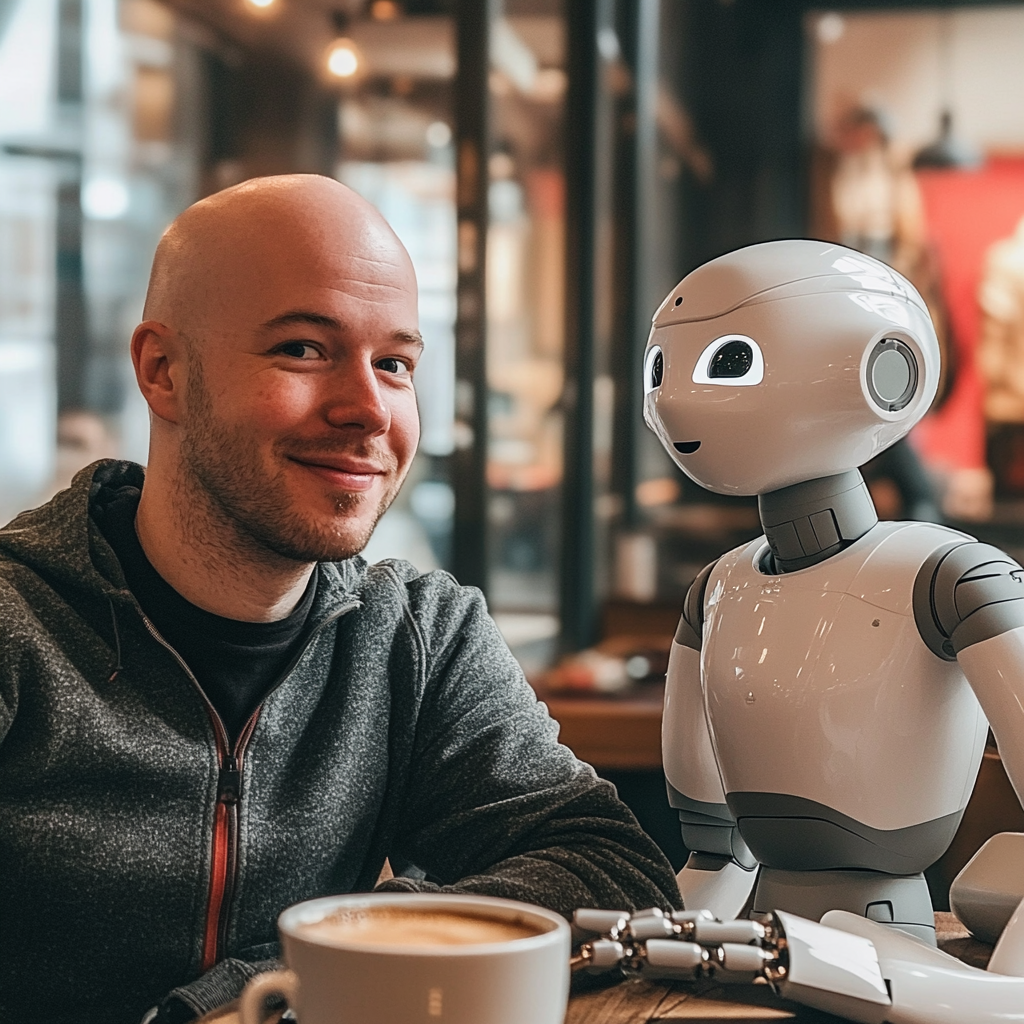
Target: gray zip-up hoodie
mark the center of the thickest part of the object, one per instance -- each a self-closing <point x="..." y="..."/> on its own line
<point x="137" y="849"/>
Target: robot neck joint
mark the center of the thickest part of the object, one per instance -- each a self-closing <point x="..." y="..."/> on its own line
<point x="812" y="520"/>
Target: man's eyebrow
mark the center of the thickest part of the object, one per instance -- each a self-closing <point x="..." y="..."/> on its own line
<point x="410" y="337"/>
<point x="295" y="317"/>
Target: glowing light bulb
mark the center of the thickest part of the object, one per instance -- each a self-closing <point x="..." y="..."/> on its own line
<point x="385" y="10"/>
<point x="262" y="3"/>
<point x="105" y="198"/>
<point x="438" y="134"/>
<point x="343" y="59"/>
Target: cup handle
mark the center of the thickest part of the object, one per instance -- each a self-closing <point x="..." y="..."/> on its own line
<point x="252" y="1005"/>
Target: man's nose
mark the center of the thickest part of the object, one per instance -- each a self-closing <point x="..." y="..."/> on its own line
<point x="357" y="400"/>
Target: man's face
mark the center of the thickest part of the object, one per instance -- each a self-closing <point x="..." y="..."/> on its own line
<point x="300" y="419"/>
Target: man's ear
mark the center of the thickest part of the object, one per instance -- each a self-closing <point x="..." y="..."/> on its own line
<point x="159" y="358"/>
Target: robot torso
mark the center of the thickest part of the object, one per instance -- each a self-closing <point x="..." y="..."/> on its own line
<point x="829" y="715"/>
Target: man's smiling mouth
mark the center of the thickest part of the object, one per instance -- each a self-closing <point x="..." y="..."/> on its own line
<point x="686" y="447"/>
<point x="349" y="475"/>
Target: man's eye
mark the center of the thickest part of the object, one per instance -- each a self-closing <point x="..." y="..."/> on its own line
<point x="299" y="350"/>
<point x="392" y="365"/>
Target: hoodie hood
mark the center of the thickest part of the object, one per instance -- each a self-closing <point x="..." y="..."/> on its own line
<point x="60" y="541"/>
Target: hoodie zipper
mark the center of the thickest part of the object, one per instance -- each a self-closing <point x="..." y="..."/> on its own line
<point x="224" y="853"/>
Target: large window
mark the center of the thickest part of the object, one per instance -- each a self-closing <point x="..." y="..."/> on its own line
<point x="100" y="142"/>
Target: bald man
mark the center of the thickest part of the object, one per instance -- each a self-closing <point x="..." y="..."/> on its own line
<point x="210" y="706"/>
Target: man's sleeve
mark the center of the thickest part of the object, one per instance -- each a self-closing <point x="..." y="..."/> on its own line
<point x="495" y="805"/>
<point x="12" y="624"/>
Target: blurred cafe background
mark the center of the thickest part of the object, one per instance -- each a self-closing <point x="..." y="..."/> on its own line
<point x="554" y="167"/>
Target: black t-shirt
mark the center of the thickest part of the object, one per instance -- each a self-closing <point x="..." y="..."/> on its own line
<point x="235" y="662"/>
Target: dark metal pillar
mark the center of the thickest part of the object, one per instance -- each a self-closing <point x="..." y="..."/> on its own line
<point x="472" y="147"/>
<point x="71" y="333"/>
<point x="634" y="196"/>
<point x="577" y="605"/>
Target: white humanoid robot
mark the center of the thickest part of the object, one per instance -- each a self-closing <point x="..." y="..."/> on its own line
<point x="831" y="683"/>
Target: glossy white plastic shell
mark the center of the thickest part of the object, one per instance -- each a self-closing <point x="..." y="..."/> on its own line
<point x="834" y="971"/>
<point x="818" y="684"/>
<point x="816" y="312"/>
<point x="686" y="751"/>
<point x="990" y="886"/>
<point x="929" y="986"/>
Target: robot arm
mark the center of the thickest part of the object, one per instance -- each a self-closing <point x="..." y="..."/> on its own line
<point x="720" y="871"/>
<point x="846" y="965"/>
<point x="969" y="606"/>
<point x="928" y="986"/>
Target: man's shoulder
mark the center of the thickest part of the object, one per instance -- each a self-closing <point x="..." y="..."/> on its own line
<point x="409" y="575"/>
<point x="12" y="585"/>
<point x="20" y="582"/>
<point x="421" y="589"/>
<point x="435" y="600"/>
<point x="20" y="624"/>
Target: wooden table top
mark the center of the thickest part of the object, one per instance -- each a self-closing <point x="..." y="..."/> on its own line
<point x="644" y="1002"/>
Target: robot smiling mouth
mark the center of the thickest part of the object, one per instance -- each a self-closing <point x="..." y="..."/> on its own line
<point x="686" y="447"/>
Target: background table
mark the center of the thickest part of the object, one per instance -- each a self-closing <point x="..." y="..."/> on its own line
<point x="640" y="1002"/>
<point x="611" y="733"/>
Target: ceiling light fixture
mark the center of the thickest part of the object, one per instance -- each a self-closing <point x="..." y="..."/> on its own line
<point x="261" y="4"/>
<point x="385" y="10"/>
<point x="343" y="58"/>
<point x="438" y="134"/>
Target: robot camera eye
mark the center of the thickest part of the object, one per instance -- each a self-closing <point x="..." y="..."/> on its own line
<point x="654" y="369"/>
<point x="733" y="359"/>
<point x="892" y="374"/>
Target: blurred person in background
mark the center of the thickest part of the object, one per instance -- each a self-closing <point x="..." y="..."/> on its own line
<point x="866" y="197"/>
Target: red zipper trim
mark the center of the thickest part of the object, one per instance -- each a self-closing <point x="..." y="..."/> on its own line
<point x="224" y="858"/>
<point x="218" y="883"/>
<point x="231" y="806"/>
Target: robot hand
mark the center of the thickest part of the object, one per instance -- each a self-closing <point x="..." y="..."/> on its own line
<point x="803" y="961"/>
<point x="846" y="965"/>
<point x="686" y="946"/>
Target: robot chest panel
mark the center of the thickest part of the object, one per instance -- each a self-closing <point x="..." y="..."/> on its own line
<point x="768" y="641"/>
<point x="831" y="688"/>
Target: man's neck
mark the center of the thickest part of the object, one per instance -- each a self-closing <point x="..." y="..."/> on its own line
<point x="208" y="559"/>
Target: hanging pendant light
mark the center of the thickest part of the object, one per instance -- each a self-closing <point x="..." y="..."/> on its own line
<point x="946" y="151"/>
<point x="344" y="59"/>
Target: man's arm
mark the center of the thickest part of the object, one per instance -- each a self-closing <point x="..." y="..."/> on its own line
<point x="13" y="626"/>
<point x="494" y="804"/>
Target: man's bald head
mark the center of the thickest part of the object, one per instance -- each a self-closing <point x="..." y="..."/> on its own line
<point x="224" y="249"/>
<point x="276" y="355"/>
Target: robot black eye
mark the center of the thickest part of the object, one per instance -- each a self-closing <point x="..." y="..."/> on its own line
<point x="657" y="370"/>
<point x="733" y="359"/>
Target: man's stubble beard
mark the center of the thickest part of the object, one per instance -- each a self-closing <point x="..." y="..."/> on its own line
<point x="223" y="463"/>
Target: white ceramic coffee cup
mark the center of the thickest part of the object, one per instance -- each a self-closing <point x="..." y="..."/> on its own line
<point x="330" y="981"/>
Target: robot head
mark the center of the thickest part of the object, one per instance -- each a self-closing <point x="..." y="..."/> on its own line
<point x="787" y="361"/>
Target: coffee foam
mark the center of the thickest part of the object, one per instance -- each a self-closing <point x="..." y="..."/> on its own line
<point x="399" y="926"/>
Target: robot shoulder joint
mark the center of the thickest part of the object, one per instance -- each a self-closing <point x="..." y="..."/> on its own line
<point x="691" y="622"/>
<point x="967" y="592"/>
